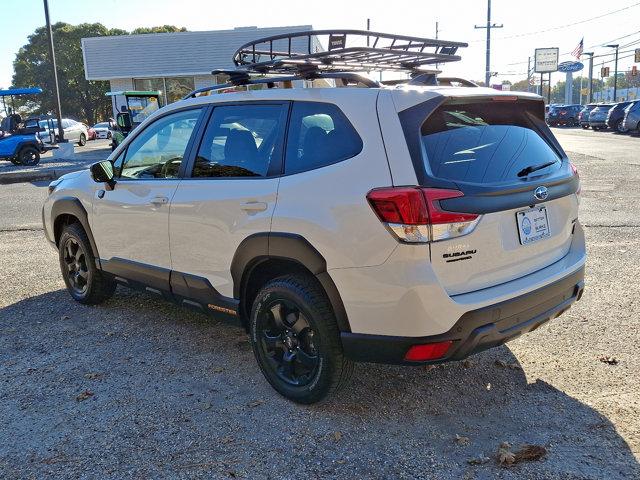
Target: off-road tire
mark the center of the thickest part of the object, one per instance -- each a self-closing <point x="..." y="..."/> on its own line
<point x="99" y="287"/>
<point x="333" y="368"/>
<point x="28" y="155"/>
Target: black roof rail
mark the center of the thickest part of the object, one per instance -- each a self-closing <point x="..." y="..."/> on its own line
<point x="242" y="77"/>
<point x="348" y="50"/>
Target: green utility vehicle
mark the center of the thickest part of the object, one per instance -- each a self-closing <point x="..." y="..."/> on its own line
<point x="131" y="108"/>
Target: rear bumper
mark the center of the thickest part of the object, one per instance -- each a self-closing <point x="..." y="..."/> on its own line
<point x="597" y="123"/>
<point x="476" y="330"/>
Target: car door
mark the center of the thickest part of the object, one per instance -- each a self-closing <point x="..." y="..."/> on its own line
<point x="229" y="192"/>
<point x="131" y="221"/>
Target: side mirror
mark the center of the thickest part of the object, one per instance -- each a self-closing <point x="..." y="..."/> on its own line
<point x="123" y="120"/>
<point x="102" y="172"/>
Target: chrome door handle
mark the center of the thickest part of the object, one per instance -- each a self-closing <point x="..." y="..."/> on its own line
<point x="254" y="207"/>
<point x="159" y="201"/>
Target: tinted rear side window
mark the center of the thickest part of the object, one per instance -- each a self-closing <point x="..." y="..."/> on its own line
<point x="483" y="142"/>
<point x="319" y="135"/>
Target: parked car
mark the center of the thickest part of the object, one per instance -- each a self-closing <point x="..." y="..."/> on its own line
<point x="563" y="115"/>
<point x="583" y="116"/>
<point x="631" y="120"/>
<point x="91" y="133"/>
<point x="412" y="226"/>
<point x="615" y="117"/>
<point x="103" y="129"/>
<point x="74" y="132"/>
<point x="598" y="116"/>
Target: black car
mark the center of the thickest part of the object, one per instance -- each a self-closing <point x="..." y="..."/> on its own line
<point x="563" y="115"/>
<point x="615" y="117"/>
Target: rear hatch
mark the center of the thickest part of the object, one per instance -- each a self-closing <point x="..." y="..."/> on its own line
<point x="512" y="173"/>
<point x="599" y="114"/>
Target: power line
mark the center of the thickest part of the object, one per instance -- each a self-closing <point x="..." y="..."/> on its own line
<point x="550" y="29"/>
<point x="611" y="41"/>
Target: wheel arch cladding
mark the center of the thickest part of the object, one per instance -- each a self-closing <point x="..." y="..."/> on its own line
<point x="259" y="248"/>
<point x="66" y="208"/>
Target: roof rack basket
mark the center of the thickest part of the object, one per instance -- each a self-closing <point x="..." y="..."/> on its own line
<point x="347" y="51"/>
<point x="300" y="56"/>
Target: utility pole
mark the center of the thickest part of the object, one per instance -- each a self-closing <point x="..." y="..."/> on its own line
<point x="52" y="53"/>
<point x="529" y="74"/>
<point x="615" y="72"/>
<point x="590" y="97"/>
<point x="488" y="26"/>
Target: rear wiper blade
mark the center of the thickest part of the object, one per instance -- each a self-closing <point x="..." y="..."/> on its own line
<point x="534" y="168"/>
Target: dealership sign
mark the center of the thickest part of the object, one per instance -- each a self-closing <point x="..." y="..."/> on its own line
<point x="569" y="67"/>
<point x="546" y="60"/>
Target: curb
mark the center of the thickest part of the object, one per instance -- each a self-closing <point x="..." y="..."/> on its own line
<point x="34" y="176"/>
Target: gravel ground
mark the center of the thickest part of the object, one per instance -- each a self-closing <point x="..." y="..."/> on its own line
<point x="172" y="393"/>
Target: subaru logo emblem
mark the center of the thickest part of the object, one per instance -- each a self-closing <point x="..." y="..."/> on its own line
<point x="541" y="193"/>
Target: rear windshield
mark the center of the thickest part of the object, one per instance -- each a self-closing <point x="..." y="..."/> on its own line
<point x="484" y="142"/>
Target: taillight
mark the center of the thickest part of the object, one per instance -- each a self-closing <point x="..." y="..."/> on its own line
<point x="574" y="169"/>
<point x="414" y="214"/>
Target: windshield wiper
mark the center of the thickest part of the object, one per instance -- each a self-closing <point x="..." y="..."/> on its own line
<point x="534" y="168"/>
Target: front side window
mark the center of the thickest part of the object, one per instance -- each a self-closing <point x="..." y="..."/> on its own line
<point x="319" y="135"/>
<point x="241" y="141"/>
<point x="484" y="142"/>
<point x="159" y="149"/>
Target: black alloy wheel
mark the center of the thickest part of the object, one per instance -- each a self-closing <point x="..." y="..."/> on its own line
<point x="296" y="339"/>
<point x="85" y="282"/>
<point x="286" y="341"/>
<point x="29" y="156"/>
<point x="75" y="260"/>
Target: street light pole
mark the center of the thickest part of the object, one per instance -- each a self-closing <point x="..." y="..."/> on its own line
<point x="590" y="97"/>
<point x="615" y="72"/>
<point x="55" y="73"/>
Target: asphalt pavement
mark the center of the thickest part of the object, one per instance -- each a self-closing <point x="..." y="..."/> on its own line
<point x="140" y="388"/>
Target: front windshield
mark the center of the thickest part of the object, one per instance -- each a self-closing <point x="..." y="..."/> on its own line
<point x="48" y="123"/>
<point x="142" y="107"/>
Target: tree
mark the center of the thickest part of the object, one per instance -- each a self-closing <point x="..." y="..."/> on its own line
<point x="81" y="99"/>
<point x="521" y="86"/>
<point x="160" y="29"/>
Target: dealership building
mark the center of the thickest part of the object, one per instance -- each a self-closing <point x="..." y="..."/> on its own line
<point x="173" y="63"/>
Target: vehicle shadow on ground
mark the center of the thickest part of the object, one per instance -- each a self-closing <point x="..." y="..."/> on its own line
<point x="142" y="385"/>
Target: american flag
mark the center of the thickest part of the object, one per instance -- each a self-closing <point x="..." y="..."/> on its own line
<point x="577" y="52"/>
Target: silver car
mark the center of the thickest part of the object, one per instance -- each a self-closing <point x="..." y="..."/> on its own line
<point x="631" y="120"/>
<point x="103" y="129"/>
<point x="74" y="132"/>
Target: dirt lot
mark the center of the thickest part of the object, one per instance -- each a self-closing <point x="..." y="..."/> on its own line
<point x="138" y="388"/>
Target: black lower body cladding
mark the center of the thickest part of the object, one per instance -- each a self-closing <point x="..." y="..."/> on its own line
<point x="476" y="330"/>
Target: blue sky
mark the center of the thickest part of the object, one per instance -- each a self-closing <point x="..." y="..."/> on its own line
<point x="511" y="44"/>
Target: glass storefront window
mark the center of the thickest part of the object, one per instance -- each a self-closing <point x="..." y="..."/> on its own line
<point x="172" y="88"/>
<point x="178" y="87"/>
<point x="151" y="84"/>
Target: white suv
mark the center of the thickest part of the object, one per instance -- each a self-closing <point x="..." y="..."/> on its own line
<point x="402" y="225"/>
